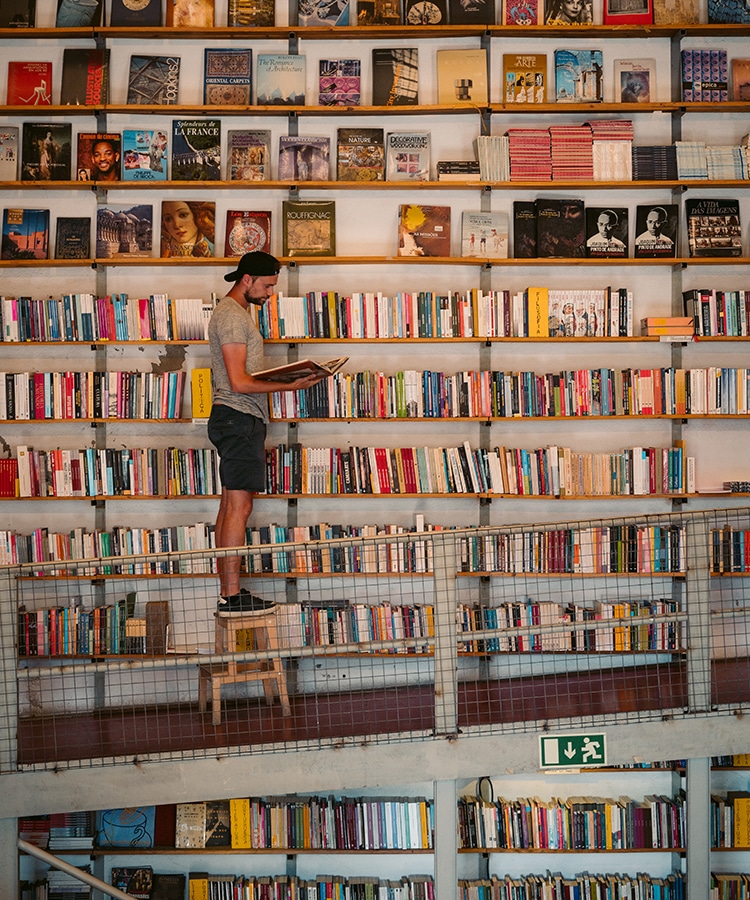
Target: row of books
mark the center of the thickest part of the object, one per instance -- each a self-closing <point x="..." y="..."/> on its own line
<point x="115" y="317"/>
<point x="339" y="887"/>
<point x="534" y="312"/>
<point x="75" y="631"/>
<point x="577" y="823"/>
<point x="142" y="471"/>
<point x="91" y="395"/>
<point x="583" y="884"/>
<point x="730" y="820"/>
<point x="730" y="550"/>
<point x="718" y="312"/>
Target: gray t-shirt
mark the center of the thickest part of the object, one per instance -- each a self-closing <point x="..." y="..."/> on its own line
<point x="231" y="324"/>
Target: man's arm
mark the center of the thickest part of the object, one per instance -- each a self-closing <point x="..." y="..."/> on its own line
<point x="235" y="358"/>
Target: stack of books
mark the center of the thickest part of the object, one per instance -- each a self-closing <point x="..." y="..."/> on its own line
<point x="530" y="154"/>
<point x="655" y="163"/>
<point x="691" y="160"/>
<point x="677" y="326"/>
<point x="493" y="153"/>
<point x="726" y="163"/>
<point x="572" y="151"/>
<point x="612" y="149"/>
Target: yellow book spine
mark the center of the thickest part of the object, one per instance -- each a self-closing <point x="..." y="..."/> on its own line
<point x="741" y="821"/>
<point x="200" y="383"/>
<point x="538" y="309"/>
<point x="198" y="887"/>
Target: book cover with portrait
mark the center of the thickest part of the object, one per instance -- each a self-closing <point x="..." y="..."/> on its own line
<point x="187" y="228"/>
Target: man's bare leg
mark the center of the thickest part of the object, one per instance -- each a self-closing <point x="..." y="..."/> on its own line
<point x="231" y="526"/>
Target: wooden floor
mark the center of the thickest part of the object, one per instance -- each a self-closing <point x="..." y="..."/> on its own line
<point x="404" y="710"/>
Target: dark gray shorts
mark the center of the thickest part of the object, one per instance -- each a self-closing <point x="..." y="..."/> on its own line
<point x="240" y="440"/>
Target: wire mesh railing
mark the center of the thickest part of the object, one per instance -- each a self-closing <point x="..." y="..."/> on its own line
<point x="381" y="637"/>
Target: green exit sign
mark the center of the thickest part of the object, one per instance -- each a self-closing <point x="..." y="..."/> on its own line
<point x="572" y="751"/>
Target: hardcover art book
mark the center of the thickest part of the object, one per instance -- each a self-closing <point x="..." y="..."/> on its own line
<point x="656" y="231"/>
<point x="606" y="232"/>
<point x="46" y="151"/>
<point x="323" y="12"/>
<point x="525" y="77"/>
<point x="190" y="14"/>
<point x="188" y="228"/>
<point x="560" y="227"/>
<point x="136" y="882"/>
<point x="168" y="886"/>
<point x="484" y="235"/>
<point x="9" y="152"/>
<point x="29" y="83"/>
<point x="471" y="12"/>
<point x="728" y="11"/>
<point x="395" y="76"/>
<point x="280" y="80"/>
<point x="360" y="154"/>
<point x="251" y="14"/>
<point x="124" y="230"/>
<point x="99" y="156"/>
<point x="407" y="156"/>
<point x="713" y="227"/>
<point x="425" y="12"/>
<point x="248" y="155"/>
<point x="153" y="80"/>
<point x="378" y="12"/>
<point x="78" y="13"/>
<point x="25" y="234"/>
<point x="563" y="12"/>
<point x="424" y="230"/>
<point x="304" y="158"/>
<point x="677" y="12"/>
<point x="309" y="227"/>
<point x="85" y="76"/>
<point x="462" y="77"/>
<point x="227" y="76"/>
<point x="247" y="231"/>
<point x="144" y="155"/>
<point x="135" y="13"/>
<point x="628" y="12"/>
<point x="339" y="82"/>
<point x="523" y="12"/>
<point x="73" y="237"/>
<point x="635" y="80"/>
<point x="705" y="75"/>
<point x="196" y="149"/>
<point x="579" y="76"/>
<point x="741" y="79"/>
<point x="17" y="13"/>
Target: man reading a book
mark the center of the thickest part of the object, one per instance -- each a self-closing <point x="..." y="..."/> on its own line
<point x="239" y="414"/>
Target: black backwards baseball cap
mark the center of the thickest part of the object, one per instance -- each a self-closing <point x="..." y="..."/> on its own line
<point x="256" y="263"/>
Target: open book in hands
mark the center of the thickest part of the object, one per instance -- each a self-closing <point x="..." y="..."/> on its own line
<point x="301" y="369"/>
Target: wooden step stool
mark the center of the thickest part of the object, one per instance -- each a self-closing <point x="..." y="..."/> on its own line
<point x="263" y="626"/>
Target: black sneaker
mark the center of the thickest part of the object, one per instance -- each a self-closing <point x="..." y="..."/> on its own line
<point x="244" y="602"/>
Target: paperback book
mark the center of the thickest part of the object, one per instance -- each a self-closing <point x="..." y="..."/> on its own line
<point x="323" y="13"/>
<point x="188" y="228"/>
<point x="29" y="83"/>
<point x="196" y="149"/>
<point x="227" y="76"/>
<point x="280" y="79"/>
<point x="17" y="13"/>
<point x="407" y="156"/>
<point x="247" y="231"/>
<point x="635" y="80"/>
<point x="124" y="230"/>
<point x="304" y="158"/>
<point x="168" y="886"/>
<point x="656" y="231"/>
<point x="458" y="170"/>
<point x="248" y="155"/>
<point x="46" y="151"/>
<point x="25" y="234"/>
<point x="135" y="13"/>
<point x="560" y="228"/>
<point x="484" y="235"/>
<point x="153" y="80"/>
<point x="606" y="232"/>
<point x="98" y="156"/>
<point x="741" y="79"/>
<point x="462" y="77"/>
<point x="522" y="12"/>
<point x="9" y="152"/>
<point x="137" y="882"/>
<point x="360" y="154"/>
<point x="425" y="12"/>
<point x="144" y="155"/>
<point x="395" y="76"/>
<point x="77" y="14"/>
<point x="424" y="230"/>
<point x="73" y="237"/>
<point x="339" y="82"/>
<point x="579" y="76"/>
<point x="85" y="76"/>
<point x="251" y="13"/>
<point x="524" y="229"/>
<point x="190" y="14"/>
<point x="525" y="77"/>
<point x="471" y="12"/>
<point x="309" y="227"/>
<point x="378" y="12"/>
<point x="713" y="227"/>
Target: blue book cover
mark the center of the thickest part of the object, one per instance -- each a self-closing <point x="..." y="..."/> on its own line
<point x="280" y="80"/>
<point x="144" y="154"/>
<point x="578" y="76"/>
<point x="131" y="826"/>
